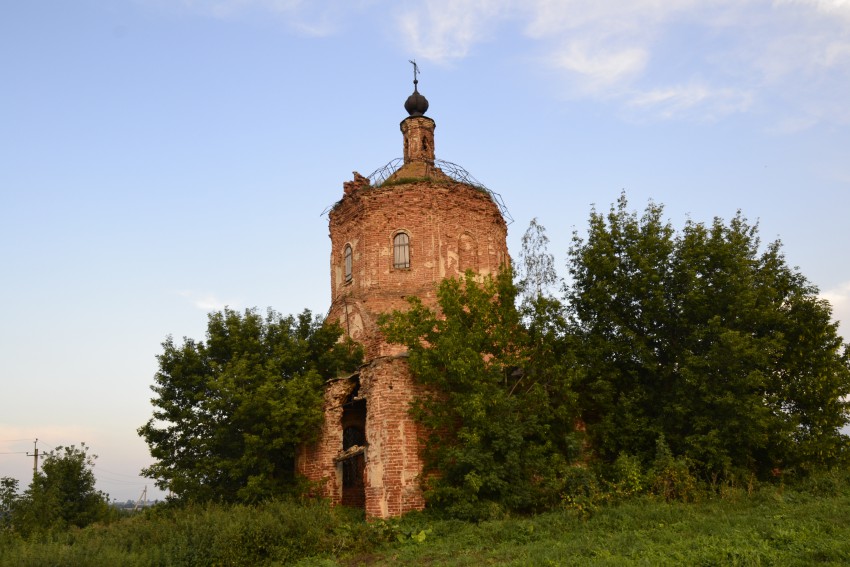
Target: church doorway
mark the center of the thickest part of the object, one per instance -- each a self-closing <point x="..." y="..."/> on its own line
<point x="353" y="455"/>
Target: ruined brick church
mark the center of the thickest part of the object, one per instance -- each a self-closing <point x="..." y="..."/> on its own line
<point x="395" y="234"/>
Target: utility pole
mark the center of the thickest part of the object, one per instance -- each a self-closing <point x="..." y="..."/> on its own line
<point x="34" y="456"/>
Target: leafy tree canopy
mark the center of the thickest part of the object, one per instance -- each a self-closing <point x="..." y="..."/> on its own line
<point x="8" y="499"/>
<point x="707" y="339"/>
<point x="702" y="342"/>
<point x="500" y="413"/>
<point x="230" y="412"/>
<point x="62" y="493"/>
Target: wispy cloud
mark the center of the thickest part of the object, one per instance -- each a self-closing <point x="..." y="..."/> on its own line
<point x="696" y="99"/>
<point x="596" y="68"/>
<point x="702" y="59"/>
<point x="839" y="298"/>
<point x="605" y="19"/>
<point x="310" y="18"/>
<point x="697" y="59"/>
<point x="836" y="8"/>
<point x="444" y="30"/>
<point x="231" y="8"/>
<point x="207" y="301"/>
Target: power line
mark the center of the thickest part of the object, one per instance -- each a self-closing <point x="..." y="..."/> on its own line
<point x="112" y="480"/>
<point x="100" y="468"/>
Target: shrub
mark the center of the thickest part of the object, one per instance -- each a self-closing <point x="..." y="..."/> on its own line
<point x="670" y="477"/>
<point x="581" y="491"/>
<point x="627" y="476"/>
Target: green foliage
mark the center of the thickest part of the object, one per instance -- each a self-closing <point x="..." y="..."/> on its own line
<point x="272" y="533"/>
<point x="685" y="356"/>
<point x="703" y="337"/>
<point x="62" y="494"/>
<point x="231" y="412"/>
<point x="500" y="410"/>
<point x="670" y="477"/>
<point x="536" y="275"/>
<point x="628" y="478"/>
<point x="8" y="499"/>
<point x="791" y="525"/>
<point x="830" y="483"/>
<point x="581" y="490"/>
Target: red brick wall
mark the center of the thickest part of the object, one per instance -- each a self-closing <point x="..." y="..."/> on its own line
<point x="392" y="464"/>
<point x="316" y="461"/>
<point x="452" y="227"/>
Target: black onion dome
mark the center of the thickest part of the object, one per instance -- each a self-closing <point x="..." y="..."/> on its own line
<point x="416" y="104"/>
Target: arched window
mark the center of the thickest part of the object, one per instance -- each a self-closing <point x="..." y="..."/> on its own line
<point x="347" y="256"/>
<point x="401" y="250"/>
<point x="467" y="253"/>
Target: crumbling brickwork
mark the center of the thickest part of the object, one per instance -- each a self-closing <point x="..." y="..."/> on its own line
<point x="317" y="461"/>
<point x="447" y="227"/>
<point x="452" y="227"/>
<point x="393" y="464"/>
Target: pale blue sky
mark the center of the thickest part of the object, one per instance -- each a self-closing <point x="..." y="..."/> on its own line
<point x="161" y="158"/>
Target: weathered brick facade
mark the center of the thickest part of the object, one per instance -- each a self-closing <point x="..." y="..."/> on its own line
<point x="390" y="242"/>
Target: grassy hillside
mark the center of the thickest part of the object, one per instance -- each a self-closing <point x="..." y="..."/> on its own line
<point x="766" y="530"/>
<point x="771" y="526"/>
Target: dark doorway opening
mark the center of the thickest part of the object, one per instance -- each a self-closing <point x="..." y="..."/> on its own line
<point x="354" y="449"/>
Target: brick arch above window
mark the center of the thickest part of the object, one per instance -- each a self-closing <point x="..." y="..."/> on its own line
<point x="401" y="250"/>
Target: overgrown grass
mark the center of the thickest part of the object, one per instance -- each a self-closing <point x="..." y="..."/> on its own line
<point x="770" y="529"/>
<point x="268" y="534"/>
<point x="771" y="526"/>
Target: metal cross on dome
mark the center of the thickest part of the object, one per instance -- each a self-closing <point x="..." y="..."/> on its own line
<point x="416" y="70"/>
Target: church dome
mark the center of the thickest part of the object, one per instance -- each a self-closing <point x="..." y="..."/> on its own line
<point x="416" y="104"/>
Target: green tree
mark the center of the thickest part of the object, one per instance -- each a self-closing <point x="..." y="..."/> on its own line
<point x="535" y="274"/>
<point x="231" y="412"/>
<point x="8" y="499"/>
<point x="62" y="493"/>
<point x="706" y="339"/>
<point x="499" y="415"/>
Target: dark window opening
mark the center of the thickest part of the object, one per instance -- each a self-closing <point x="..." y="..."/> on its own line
<point x="353" y="436"/>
